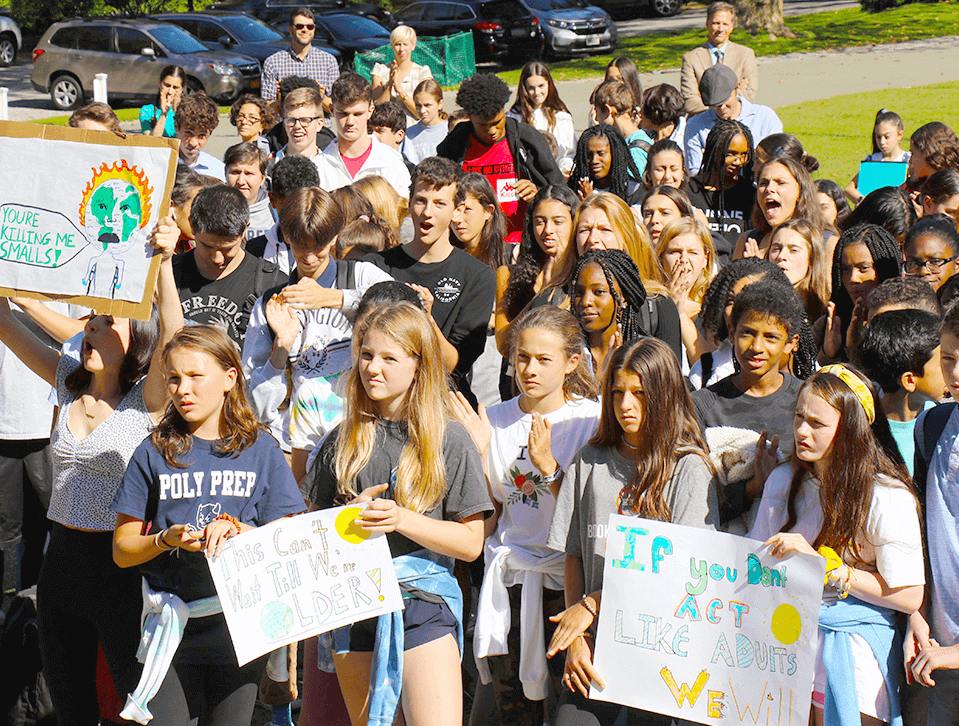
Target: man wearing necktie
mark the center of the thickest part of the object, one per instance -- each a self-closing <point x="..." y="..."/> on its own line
<point x="720" y="21"/>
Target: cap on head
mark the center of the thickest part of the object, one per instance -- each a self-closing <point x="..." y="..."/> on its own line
<point x="717" y="84"/>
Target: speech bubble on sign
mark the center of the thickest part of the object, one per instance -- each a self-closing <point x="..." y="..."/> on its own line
<point x="38" y="237"/>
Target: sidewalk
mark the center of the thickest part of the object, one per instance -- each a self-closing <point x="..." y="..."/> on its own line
<point x="783" y="80"/>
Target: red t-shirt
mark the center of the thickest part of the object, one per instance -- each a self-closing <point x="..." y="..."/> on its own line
<point x="496" y="164"/>
<point x="353" y="165"/>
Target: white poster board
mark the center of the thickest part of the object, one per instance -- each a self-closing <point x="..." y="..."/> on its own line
<point x="301" y="576"/>
<point x="705" y="626"/>
<point x="76" y="211"/>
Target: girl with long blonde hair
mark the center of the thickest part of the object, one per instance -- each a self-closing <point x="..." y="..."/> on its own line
<point x="420" y="475"/>
<point x="388" y="205"/>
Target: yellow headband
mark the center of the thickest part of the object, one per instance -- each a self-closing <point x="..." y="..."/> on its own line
<point x="858" y="387"/>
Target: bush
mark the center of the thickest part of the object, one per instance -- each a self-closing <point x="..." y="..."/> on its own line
<point x="874" y="6"/>
<point x="35" y="16"/>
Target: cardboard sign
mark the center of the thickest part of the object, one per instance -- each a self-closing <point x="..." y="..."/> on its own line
<point x="704" y="626"/>
<point x="76" y="211"/>
<point x="301" y="576"/>
<point x="875" y="175"/>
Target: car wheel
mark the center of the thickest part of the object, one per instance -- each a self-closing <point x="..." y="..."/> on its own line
<point x="8" y="51"/>
<point x="665" y="8"/>
<point x="66" y="92"/>
<point x="193" y="86"/>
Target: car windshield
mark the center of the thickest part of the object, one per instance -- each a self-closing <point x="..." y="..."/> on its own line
<point x="352" y="27"/>
<point x="177" y="40"/>
<point x="250" y="30"/>
<point x="546" y="5"/>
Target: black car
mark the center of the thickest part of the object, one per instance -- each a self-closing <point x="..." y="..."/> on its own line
<point x="276" y="13"/>
<point x="238" y="32"/>
<point x="499" y="27"/>
<point x="349" y="34"/>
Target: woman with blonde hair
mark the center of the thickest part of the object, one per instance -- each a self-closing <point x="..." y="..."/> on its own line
<point x="419" y="476"/>
<point x="388" y="205"/>
<point x="604" y="222"/>
<point x="686" y="252"/>
<point x="398" y="80"/>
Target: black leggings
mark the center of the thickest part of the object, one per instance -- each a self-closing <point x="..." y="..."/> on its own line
<point x="83" y="598"/>
<point x="575" y="710"/>
<point x="213" y="695"/>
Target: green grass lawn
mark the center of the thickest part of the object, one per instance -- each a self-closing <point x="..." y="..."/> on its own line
<point x="124" y="114"/>
<point x="837" y="130"/>
<point x="821" y="31"/>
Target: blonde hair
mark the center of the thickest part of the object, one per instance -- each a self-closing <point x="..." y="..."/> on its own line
<point x="431" y="87"/>
<point x="401" y="33"/>
<point x="690" y="225"/>
<point x="388" y="205"/>
<point x="421" y="475"/>
<point x="634" y="238"/>
<point x="814" y="287"/>
<point x="299" y="97"/>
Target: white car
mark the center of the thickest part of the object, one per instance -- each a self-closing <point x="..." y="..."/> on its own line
<point x="10" y="41"/>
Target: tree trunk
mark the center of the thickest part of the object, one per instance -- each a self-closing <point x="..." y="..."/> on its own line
<point x="763" y="16"/>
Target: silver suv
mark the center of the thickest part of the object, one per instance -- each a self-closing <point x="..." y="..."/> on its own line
<point x="10" y="41"/>
<point x="132" y="53"/>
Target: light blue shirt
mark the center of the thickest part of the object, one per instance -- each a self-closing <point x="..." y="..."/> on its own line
<point x="714" y="51"/>
<point x="760" y="120"/>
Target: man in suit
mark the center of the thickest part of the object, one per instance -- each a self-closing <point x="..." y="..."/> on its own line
<point x="720" y="21"/>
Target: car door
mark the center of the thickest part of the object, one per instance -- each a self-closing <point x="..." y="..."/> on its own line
<point x="93" y="53"/>
<point x="210" y="32"/>
<point x="138" y="75"/>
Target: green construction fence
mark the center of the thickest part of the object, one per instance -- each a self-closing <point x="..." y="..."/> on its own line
<point x="451" y="58"/>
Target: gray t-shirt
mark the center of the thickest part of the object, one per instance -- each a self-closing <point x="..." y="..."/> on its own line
<point x="466" y="490"/>
<point x="589" y="493"/>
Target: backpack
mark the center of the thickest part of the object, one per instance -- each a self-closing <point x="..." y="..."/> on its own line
<point x="649" y="316"/>
<point x="928" y="431"/>
<point x="639" y="144"/>
<point x="345" y="280"/>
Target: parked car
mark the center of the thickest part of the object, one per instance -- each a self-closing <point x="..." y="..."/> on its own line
<point x="659" y="8"/>
<point x="132" y="53"/>
<point x="572" y="26"/>
<point x="237" y="32"/>
<point x="349" y="34"/>
<point x="277" y="12"/>
<point x="10" y="40"/>
<point x="499" y="27"/>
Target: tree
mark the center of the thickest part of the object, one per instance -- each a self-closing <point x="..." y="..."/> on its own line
<point x="763" y="16"/>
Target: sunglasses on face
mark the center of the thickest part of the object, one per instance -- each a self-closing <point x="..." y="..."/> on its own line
<point x="304" y="26"/>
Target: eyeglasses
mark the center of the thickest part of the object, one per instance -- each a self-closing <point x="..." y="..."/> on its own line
<point x="304" y="26"/>
<point x="742" y="156"/>
<point x="304" y="121"/>
<point x="251" y="119"/>
<point x="913" y="266"/>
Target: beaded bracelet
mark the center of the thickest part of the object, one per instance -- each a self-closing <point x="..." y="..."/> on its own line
<point x="585" y="603"/>
<point x="232" y="520"/>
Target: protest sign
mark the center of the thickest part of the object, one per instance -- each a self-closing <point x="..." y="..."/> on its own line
<point x="76" y="211"/>
<point x="301" y="576"/>
<point x="705" y="626"/>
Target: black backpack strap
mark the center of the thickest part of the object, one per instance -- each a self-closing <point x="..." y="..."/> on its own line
<point x="649" y="316"/>
<point x="346" y="274"/>
<point x="639" y="144"/>
<point x="706" y="361"/>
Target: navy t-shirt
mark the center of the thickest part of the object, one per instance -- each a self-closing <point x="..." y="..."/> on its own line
<point x="256" y="487"/>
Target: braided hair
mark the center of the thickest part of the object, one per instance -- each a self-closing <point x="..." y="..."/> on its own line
<point x="717" y="146"/>
<point x="618" y="267"/>
<point x="713" y="316"/>
<point x="886" y="261"/>
<point x="622" y="168"/>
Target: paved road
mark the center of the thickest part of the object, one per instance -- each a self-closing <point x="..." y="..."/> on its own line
<point x="696" y="17"/>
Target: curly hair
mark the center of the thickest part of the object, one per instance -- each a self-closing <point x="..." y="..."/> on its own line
<point x="529" y="263"/>
<point x="716" y="297"/>
<point x="717" y="144"/>
<point x="618" y="267"/>
<point x="198" y="113"/>
<point x="483" y="95"/>
<point x="938" y="143"/>
<point x="662" y="104"/>
<point x="622" y="168"/>
<point x="267" y="117"/>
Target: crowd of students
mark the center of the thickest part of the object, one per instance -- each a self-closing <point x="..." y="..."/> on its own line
<point x="495" y="334"/>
